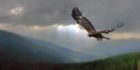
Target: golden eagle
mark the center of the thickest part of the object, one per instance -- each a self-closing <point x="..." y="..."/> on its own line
<point x="86" y="24"/>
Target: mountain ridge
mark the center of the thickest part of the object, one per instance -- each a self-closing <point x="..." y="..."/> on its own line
<point x="23" y="49"/>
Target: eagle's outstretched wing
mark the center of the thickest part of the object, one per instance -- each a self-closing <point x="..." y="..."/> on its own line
<point x="119" y="25"/>
<point x="76" y="13"/>
<point x="83" y="21"/>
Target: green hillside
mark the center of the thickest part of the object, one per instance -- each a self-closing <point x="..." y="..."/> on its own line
<point x="122" y="62"/>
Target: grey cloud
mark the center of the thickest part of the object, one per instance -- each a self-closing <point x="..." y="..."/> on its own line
<point x="103" y="13"/>
<point x="39" y="12"/>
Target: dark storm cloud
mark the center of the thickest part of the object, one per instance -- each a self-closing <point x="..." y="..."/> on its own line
<point x="38" y="11"/>
<point x="101" y="12"/>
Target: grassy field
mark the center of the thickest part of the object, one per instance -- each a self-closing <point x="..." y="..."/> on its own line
<point x="129" y="61"/>
<point x="122" y="62"/>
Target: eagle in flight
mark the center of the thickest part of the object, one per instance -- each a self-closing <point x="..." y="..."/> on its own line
<point x="87" y="25"/>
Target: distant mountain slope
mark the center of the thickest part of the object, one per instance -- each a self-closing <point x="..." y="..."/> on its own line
<point x="17" y="48"/>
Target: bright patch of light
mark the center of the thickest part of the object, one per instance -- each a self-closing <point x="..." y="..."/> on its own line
<point x="74" y="28"/>
<point x="16" y="11"/>
<point x="36" y="27"/>
<point x="118" y="36"/>
<point x="4" y="26"/>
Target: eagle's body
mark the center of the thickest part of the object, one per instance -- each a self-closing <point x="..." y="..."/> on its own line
<point x="87" y="25"/>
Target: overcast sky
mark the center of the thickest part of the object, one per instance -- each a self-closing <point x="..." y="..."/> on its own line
<point x="50" y="20"/>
